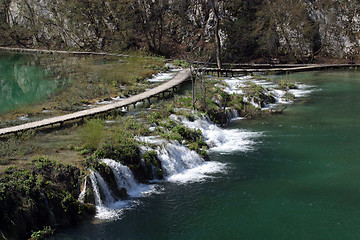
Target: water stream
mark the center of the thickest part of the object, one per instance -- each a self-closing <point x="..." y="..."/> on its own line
<point x="298" y="178"/>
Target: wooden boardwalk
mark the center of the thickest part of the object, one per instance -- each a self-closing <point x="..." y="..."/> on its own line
<point x="181" y="77"/>
<point x="275" y="69"/>
<point x="29" y="50"/>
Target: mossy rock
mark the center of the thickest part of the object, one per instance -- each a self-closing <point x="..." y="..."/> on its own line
<point x="46" y="194"/>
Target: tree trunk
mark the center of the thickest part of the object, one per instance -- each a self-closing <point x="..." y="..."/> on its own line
<point x="217" y="38"/>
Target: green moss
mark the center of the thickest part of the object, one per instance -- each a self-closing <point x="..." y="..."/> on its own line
<point x="150" y="157"/>
<point x="29" y="198"/>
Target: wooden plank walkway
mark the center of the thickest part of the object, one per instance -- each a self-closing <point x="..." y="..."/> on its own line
<point x="275" y="69"/>
<point x="180" y="77"/>
<point x="29" y="50"/>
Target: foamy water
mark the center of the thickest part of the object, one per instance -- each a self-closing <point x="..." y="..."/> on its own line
<point x="162" y="77"/>
<point x="221" y="140"/>
<point x="234" y="85"/>
<point x="198" y="174"/>
<point x="183" y="165"/>
<point x="107" y="206"/>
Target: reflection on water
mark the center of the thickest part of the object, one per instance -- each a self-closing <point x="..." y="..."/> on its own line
<point x="22" y="81"/>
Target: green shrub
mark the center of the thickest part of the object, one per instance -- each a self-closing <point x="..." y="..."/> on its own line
<point x="121" y="147"/>
<point x="285" y="84"/>
<point x="42" y="234"/>
<point x="92" y="133"/>
<point x="154" y="117"/>
<point x="288" y="96"/>
<point x="181" y="63"/>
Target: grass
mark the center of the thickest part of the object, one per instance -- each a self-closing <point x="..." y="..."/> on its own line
<point x="13" y="147"/>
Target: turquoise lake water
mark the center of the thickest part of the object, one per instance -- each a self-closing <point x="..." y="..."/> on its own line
<point x="300" y="181"/>
<point x="23" y="82"/>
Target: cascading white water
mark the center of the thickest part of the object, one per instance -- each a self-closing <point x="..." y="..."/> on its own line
<point x="96" y="191"/>
<point x="104" y="188"/>
<point x="161" y="77"/>
<point x="83" y="192"/>
<point x="218" y="139"/>
<point x="234" y="86"/>
<point x="183" y="165"/>
<point x="125" y="179"/>
<point x="106" y="205"/>
<point x="176" y="158"/>
<point x="180" y="164"/>
<point x="232" y="114"/>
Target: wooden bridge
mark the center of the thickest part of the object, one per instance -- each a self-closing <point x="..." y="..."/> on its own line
<point x="180" y="77"/>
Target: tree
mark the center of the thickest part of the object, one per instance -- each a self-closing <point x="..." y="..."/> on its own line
<point x="289" y="28"/>
<point x="151" y="17"/>
<point x="239" y="28"/>
<point x="215" y="7"/>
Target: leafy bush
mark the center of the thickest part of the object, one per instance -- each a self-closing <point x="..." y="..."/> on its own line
<point x="285" y="84"/>
<point x="92" y="133"/>
<point x="42" y="234"/>
<point x="288" y="96"/>
<point x="121" y="147"/>
<point x="258" y="94"/>
<point x="181" y="63"/>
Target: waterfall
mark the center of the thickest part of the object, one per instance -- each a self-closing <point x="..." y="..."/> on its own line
<point x="232" y="114"/>
<point x="182" y="165"/>
<point x="104" y="188"/>
<point x="175" y="158"/>
<point x="218" y="139"/>
<point x="96" y="190"/>
<point x="234" y="86"/>
<point x="52" y="216"/>
<point x="125" y="179"/>
<point x="83" y="192"/>
<point x="106" y="205"/>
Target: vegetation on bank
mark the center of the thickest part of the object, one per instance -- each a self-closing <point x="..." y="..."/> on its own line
<point x="44" y="195"/>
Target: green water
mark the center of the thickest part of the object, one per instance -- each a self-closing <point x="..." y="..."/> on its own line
<point x="23" y="82"/>
<point x="302" y="180"/>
